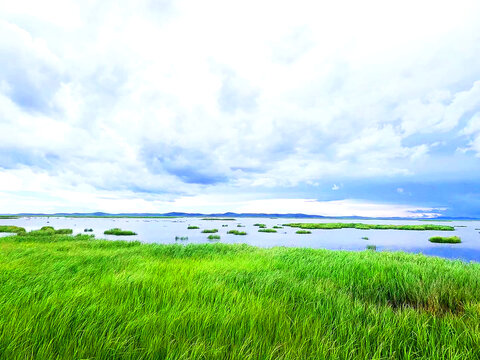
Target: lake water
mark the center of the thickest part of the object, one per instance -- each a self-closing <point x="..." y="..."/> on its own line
<point x="164" y="231"/>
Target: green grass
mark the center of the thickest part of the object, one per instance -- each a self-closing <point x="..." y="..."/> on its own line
<point x="371" y="247"/>
<point x="303" y="232"/>
<point x="267" y="230"/>
<point x="209" y="231"/>
<point x="9" y="217"/>
<point x="65" y="297"/>
<point x="225" y="219"/>
<point x="213" y="237"/>
<point x="11" y="229"/>
<point x="117" y="231"/>
<point x="236" y="232"/>
<point x="445" y="239"/>
<point x="327" y="226"/>
<point x="46" y="231"/>
<point x="278" y="227"/>
<point x="191" y="227"/>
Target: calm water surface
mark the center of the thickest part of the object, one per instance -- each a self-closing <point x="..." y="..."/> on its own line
<point x="164" y="231"/>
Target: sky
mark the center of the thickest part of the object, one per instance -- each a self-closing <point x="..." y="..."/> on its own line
<point x="335" y="108"/>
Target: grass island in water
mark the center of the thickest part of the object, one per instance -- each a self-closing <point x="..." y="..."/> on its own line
<point x="117" y="231"/>
<point x="445" y="239"/>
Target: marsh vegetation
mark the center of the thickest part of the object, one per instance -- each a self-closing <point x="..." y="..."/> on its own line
<point x="303" y="232"/>
<point x="118" y="232"/>
<point x="191" y="227"/>
<point x="236" y="232"/>
<point x="445" y="239"/>
<point x="209" y="231"/>
<point x="267" y="230"/>
<point x="329" y="226"/>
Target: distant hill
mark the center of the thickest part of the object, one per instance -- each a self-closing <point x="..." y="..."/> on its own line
<point x="236" y="215"/>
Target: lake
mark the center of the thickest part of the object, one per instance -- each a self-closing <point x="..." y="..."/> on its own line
<point x="164" y="231"/>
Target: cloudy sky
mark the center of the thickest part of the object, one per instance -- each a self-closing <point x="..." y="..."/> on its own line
<point x="334" y="108"/>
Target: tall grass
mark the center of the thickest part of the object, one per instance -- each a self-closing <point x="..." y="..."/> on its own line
<point x="327" y="226"/>
<point x="64" y="297"/>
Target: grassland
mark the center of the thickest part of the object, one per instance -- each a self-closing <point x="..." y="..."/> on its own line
<point x="73" y="297"/>
<point x="445" y="239"/>
<point x="118" y="232"/>
<point x="9" y="217"/>
<point x="329" y="226"/>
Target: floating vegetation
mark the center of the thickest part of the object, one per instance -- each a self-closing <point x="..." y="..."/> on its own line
<point x="371" y="247"/>
<point x="87" y="230"/>
<point x="328" y="226"/>
<point x="364" y="237"/>
<point x="445" y="239"/>
<point x="303" y="232"/>
<point x="223" y="219"/>
<point x="117" y="231"/>
<point x="278" y="227"/>
<point x="208" y="231"/>
<point x="236" y="232"/>
<point x="240" y="225"/>
<point x="191" y="227"/>
<point x="261" y="226"/>
<point x="213" y="237"/>
<point x="11" y="229"/>
<point x="267" y="230"/>
<point x="181" y="238"/>
<point x="224" y="225"/>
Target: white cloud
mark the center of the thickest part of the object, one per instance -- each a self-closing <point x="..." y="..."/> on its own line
<point x="174" y="98"/>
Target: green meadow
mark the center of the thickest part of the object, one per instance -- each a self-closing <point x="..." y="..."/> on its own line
<point x="75" y="297"/>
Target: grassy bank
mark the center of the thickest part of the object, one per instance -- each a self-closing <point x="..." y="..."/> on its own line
<point x="64" y="297"/>
<point x="329" y="226"/>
